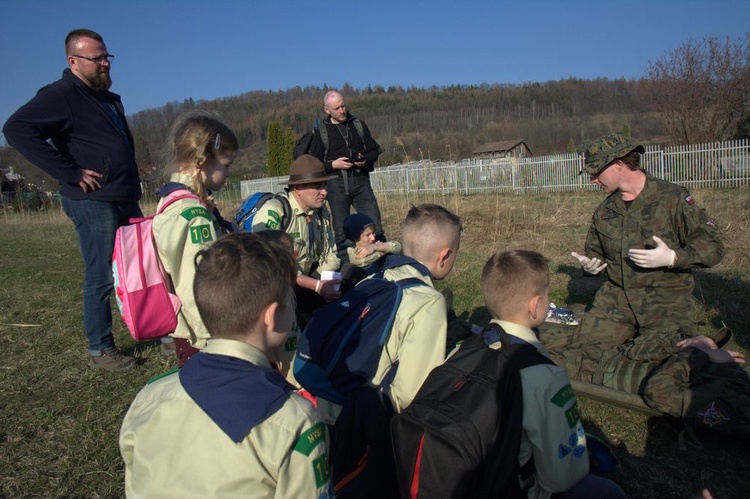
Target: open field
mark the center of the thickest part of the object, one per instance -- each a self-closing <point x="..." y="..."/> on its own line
<point x="59" y="421"/>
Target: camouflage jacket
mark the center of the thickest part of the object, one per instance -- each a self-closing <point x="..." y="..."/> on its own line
<point x="664" y="210"/>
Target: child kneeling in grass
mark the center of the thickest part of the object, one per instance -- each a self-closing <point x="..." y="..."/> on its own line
<point x="228" y="424"/>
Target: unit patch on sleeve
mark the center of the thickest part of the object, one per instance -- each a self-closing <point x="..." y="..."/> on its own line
<point x="201" y="234"/>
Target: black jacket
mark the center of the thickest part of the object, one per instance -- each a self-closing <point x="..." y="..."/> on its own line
<point x="77" y="120"/>
<point x="344" y="141"/>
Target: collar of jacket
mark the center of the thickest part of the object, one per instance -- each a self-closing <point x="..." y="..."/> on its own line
<point x="69" y="76"/>
<point x="648" y="196"/>
<point x="349" y="118"/>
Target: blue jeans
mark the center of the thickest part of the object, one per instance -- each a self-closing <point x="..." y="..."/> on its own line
<point x="96" y="223"/>
<point x="359" y="195"/>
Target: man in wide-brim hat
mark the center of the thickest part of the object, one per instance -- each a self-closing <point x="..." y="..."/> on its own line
<point x="311" y="229"/>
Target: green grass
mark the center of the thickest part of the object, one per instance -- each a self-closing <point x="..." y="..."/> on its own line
<point x="59" y="421"/>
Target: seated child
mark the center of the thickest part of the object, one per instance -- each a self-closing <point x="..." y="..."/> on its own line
<point x="362" y="248"/>
<point x="515" y="285"/>
<point x="227" y="424"/>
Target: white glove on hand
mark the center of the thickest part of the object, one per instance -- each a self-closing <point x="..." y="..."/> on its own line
<point x="661" y="256"/>
<point x="591" y="266"/>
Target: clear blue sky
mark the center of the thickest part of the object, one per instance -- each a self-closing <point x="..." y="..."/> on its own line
<point x="178" y="49"/>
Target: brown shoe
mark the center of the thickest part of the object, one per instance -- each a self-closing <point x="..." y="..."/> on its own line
<point x="168" y="349"/>
<point x="112" y="361"/>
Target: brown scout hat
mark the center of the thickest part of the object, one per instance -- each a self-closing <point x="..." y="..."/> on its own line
<point x="307" y="169"/>
<point x="605" y="150"/>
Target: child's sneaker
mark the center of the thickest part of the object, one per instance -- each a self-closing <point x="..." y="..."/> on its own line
<point x="112" y="361"/>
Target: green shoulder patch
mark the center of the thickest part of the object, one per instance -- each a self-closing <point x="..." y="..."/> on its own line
<point x="563" y="396"/>
<point x="275" y="216"/>
<point x="572" y="415"/>
<point x="194" y="212"/>
<point x="320" y="468"/>
<point x="310" y="439"/>
<point x="201" y="234"/>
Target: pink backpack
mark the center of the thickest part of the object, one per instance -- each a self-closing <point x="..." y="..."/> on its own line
<point x="143" y="288"/>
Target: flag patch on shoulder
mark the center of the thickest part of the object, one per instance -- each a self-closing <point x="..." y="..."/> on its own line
<point x="690" y="199"/>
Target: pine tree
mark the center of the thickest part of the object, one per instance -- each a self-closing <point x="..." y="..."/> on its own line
<point x="275" y="149"/>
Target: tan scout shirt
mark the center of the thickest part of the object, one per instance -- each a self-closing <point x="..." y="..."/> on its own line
<point x="417" y="341"/>
<point x="171" y="448"/>
<point x="552" y="429"/>
<point x="324" y="246"/>
<point x="180" y="232"/>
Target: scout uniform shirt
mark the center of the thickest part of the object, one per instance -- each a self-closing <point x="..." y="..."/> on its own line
<point x="180" y="232"/>
<point x="190" y="436"/>
<point x="552" y="431"/>
<point x="417" y="341"/>
<point x="321" y="250"/>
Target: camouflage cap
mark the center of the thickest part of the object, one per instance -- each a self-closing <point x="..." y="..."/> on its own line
<point x="601" y="152"/>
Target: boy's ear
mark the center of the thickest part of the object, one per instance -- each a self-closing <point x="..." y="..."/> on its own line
<point x="268" y="316"/>
<point x="443" y="256"/>
<point x="533" y="303"/>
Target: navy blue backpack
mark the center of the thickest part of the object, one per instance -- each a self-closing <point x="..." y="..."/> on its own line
<point x="340" y="348"/>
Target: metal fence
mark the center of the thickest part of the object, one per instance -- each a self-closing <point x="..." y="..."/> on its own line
<point x="716" y="165"/>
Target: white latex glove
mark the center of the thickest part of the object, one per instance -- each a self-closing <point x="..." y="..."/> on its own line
<point x="661" y="256"/>
<point x="591" y="266"/>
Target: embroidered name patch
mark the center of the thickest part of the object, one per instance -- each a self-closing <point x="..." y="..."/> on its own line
<point x="310" y="439"/>
<point x="563" y="396"/>
<point x="195" y="211"/>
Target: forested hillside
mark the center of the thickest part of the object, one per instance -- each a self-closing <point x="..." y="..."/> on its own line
<point x="435" y="123"/>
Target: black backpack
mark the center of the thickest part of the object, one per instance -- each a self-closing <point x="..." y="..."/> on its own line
<point x="461" y="435"/>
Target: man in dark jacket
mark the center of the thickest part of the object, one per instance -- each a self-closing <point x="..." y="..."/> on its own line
<point x="92" y="157"/>
<point x="348" y="152"/>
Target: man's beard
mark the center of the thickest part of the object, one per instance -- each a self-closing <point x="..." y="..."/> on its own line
<point x="100" y="81"/>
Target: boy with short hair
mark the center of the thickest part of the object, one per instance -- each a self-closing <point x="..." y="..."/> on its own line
<point x="228" y="424"/>
<point x="515" y="286"/>
<point x="431" y="235"/>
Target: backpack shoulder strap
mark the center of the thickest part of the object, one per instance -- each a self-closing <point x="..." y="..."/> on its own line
<point x="521" y="353"/>
<point x="359" y="128"/>
<point x="176" y="195"/>
<point x="323" y="133"/>
<point x="393" y="261"/>
<point x="286" y="218"/>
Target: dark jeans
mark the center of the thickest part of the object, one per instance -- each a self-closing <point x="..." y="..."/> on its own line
<point x="96" y="223"/>
<point x="359" y="195"/>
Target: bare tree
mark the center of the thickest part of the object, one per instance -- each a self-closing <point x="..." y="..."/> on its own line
<point x="702" y="88"/>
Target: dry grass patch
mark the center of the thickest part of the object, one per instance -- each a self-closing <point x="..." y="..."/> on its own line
<point x="59" y="421"/>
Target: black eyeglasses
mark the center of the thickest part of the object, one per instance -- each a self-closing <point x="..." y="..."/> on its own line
<point x="100" y="59"/>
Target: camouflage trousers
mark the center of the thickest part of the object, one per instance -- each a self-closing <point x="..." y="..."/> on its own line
<point x="617" y="316"/>
<point x="681" y="383"/>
